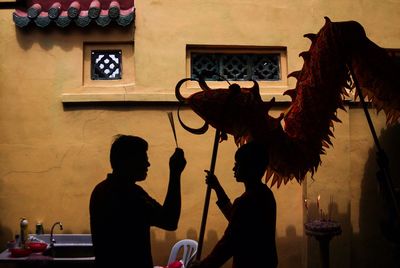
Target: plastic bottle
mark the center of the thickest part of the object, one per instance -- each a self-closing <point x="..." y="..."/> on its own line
<point x="24" y="232"/>
<point x="39" y="228"/>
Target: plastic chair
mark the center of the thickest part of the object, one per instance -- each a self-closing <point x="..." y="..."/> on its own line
<point x="189" y="248"/>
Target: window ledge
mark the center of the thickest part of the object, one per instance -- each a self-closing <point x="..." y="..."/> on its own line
<point x="130" y="93"/>
<point x="116" y="94"/>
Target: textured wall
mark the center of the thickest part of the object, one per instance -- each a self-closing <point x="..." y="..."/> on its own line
<point x="52" y="155"/>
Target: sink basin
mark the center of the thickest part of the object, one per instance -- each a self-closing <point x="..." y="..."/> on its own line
<point x="67" y="238"/>
<point x="69" y="246"/>
<point x="70" y="251"/>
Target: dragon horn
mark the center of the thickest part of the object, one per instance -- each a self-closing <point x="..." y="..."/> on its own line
<point x="182" y="99"/>
<point x="178" y="87"/>
<point x="196" y="131"/>
<point x="202" y="81"/>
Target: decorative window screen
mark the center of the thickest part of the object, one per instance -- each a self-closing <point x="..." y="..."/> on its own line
<point x="106" y="64"/>
<point x="236" y="67"/>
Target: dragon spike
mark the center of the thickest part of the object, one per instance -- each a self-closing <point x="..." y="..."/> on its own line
<point x="268" y="105"/>
<point x="292" y="93"/>
<point x="345" y="93"/>
<point x="280" y="117"/>
<point x="389" y="117"/>
<point x="336" y="119"/>
<point x="328" y="140"/>
<point x="305" y="55"/>
<point x="324" y="144"/>
<point x="280" y="180"/>
<point x="341" y="107"/>
<point x="378" y="108"/>
<point x="255" y="89"/>
<point x="268" y="175"/>
<point x="223" y="136"/>
<point x="294" y="74"/>
<point x="327" y="20"/>
<point x="286" y="180"/>
<point x="275" y="179"/>
<point x="311" y="36"/>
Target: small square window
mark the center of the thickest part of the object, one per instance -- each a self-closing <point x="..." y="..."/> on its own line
<point x="106" y="64"/>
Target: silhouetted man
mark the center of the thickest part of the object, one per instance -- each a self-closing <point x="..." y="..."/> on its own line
<point x="250" y="235"/>
<point x="121" y="212"/>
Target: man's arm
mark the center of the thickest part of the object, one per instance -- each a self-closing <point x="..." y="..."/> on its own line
<point x="172" y="203"/>
<point x="223" y="202"/>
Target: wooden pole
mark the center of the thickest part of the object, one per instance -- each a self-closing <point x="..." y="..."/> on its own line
<point x="208" y="195"/>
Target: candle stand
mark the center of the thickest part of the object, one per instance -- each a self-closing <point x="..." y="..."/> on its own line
<point x="323" y="231"/>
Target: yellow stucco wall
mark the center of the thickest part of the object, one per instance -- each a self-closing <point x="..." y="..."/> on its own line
<point x="52" y="155"/>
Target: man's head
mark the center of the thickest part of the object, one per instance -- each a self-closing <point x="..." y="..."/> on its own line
<point x="251" y="161"/>
<point x="128" y="157"/>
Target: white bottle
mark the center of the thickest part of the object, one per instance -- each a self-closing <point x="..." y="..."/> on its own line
<point x="24" y="232"/>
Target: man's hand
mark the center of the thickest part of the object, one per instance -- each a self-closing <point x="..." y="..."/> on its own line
<point x="212" y="181"/>
<point x="177" y="162"/>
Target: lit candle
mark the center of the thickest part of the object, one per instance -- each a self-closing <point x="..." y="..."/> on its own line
<point x="318" y="198"/>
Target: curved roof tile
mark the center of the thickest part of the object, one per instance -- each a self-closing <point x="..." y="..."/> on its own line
<point x="81" y="12"/>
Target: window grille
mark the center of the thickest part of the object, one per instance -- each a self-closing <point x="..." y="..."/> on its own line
<point x="106" y="65"/>
<point x="236" y="67"/>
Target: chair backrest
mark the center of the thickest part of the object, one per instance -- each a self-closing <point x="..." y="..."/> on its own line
<point x="189" y="248"/>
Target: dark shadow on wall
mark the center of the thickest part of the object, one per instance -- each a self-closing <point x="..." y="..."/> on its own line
<point x="289" y="248"/>
<point x="371" y="248"/>
<point x="5" y="235"/>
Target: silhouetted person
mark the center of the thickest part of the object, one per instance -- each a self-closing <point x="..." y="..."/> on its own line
<point x="121" y="212"/>
<point x="250" y="235"/>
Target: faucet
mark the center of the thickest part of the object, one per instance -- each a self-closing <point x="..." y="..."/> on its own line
<point x="52" y="240"/>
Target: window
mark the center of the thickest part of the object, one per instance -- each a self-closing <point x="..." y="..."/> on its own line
<point x="108" y="73"/>
<point x="106" y="64"/>
<point x="236" y="67"/>
<point x="239" y="65"/>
